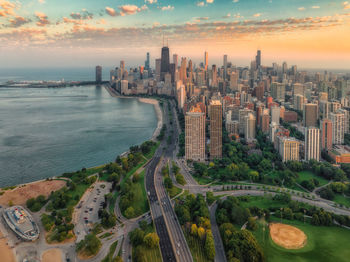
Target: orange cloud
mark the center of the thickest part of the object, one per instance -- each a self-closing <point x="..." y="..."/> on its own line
<point x="42" y="19"/>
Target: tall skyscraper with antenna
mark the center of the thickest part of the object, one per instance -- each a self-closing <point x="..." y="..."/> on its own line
<point x="165" y="61"/>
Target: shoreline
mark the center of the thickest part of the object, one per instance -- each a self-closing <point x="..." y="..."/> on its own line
<point x="144" y="100"/>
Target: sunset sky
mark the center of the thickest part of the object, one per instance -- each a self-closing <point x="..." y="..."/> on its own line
<point x="56" y="33"/>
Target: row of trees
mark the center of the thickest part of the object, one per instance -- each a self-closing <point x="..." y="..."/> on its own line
<point x="193" y="214"/>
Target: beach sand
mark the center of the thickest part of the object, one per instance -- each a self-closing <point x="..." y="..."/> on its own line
<point x="52" y="255"/>
<point x="21" y="194"/>
<point x="5" y="251"/>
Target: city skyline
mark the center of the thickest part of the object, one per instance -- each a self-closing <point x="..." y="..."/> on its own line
<point x="42" y="33"/>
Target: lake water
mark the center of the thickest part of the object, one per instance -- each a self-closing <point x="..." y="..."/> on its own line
<point x="46" y="132"/>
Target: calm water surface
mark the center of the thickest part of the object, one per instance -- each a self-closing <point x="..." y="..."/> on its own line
<point x="46" y="132"/>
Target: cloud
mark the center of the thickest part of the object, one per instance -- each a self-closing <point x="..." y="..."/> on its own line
<point x="200" y="4"/>
<point x="18" y="21"/>
<point x="151" y="1"/>
<point x="7" y="8"/>
<point x="315" y="7"/>
<point x="200" y="19"/>
<point x="41" y="1"/>
<point x="227" y="16"/>
<point x="346" y="5"/>
<point x="167" y="8"/>
<point x="84" y="15"/>
<point x="42" y="19"/>
<point x="257" y="15"/>
<point x="210" y="1"/>
<point x="110" y="11"/>
<point x="301" y="8"/>
<point x="129" y="9"/>
<point x="235" y="1"/>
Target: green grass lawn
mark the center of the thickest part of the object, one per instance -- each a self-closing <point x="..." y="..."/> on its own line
<point x="324" y="244"/>
<point x="197" y="249"/>
<point x="203" y="180"/>
<point x="342" y="200"/>
<point x="307" y="175"/>
<point x="140" y="204"/>
<point x="110" y="254"/>
<point x="262" y="202"/>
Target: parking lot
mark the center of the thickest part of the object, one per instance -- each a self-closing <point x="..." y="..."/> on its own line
<point x="87" y="209"/>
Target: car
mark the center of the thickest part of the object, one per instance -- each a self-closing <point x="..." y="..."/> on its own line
<point x="86" y="221"/>
<point x="85" y="218"/>
<point x="86" y="211"/>
<point x="91" y="209"/>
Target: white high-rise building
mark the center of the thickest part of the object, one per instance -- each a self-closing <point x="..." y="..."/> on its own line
<point x="338" y="127"/>
<point x="312" y="144"/>
<point x="275" y="114"/>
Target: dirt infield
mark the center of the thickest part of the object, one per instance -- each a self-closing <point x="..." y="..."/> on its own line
<point x="5" y="251"/>
<point x="20" y="195"/>
<point x="287" y="236"/>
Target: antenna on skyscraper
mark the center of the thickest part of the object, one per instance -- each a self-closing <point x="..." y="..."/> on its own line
<point x="167" y="42"/>
<point x="163" y="39"/>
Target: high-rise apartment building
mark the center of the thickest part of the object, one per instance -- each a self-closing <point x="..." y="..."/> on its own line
<point x="249" y="127"/>
<point x="215" y="129"/>
<point x="299" y="101"/>
<point x="258" y="59"/>
<point x="158" y="68"/>
<point x="241" y="118"/>
<point x="225" y="67"/>
<point x="265" y="121"/>
<point x="326" y="134"/>
<point x="312" y="144"/>
<point x="310" y="115"/>
<point x="289" y="149"/>
<point x="175" y="60"/>
<point x="195" y="134"/>
<point x="275" y="114"/>
<point x="338" y="127"/>
<point x="147" y="62"/>
<point x="98" y="74"/>
<point x="278" y="91"/>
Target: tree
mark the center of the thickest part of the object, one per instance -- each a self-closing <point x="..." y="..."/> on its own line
<point x="90" y="245"/>
<point x="168" y="183"/>
<point x="210" y="197"/>
<point x="130" y="212"/>
<point x="137" y="236"/>
<point x="201" y="233"/>
<point x="194" y="230"/>
<point x="180" y="179"/>
<point x="252" y="225"/>
<point x="151" y="240"/>
<point x="209" y="247"/>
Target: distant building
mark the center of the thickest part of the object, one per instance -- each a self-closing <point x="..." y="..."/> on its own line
<point x="98" y="74"/>
<point x="195" y="134"/>
<point x="232" y="127"/>
<point x="278" y="91"/>
<point x="215" y="129"/>
<point x="275" y="115"/>
<point x="312" y="144"/>
<point x="206" y="61"/>
<point x="290" y="116"/>
<point x="265" y="122"/>
<point x="165" y="62"/>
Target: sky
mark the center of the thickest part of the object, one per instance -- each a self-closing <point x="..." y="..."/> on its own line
<point x="84" y="33"/>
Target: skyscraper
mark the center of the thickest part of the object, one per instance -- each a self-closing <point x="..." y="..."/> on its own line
<point x="147" y="62"/>
<point x="165" y="61"/>
<point x="183" y="72"/>
<point x="258" y="59"/>
<point x="158" y="69"/>
<point x="312" y="144"/>
<point x="338" y="127"/>
<point x="175" y="60"/>
<point x="215" y="129"/>
<point x="206" y="60"/>
<point x="326" y="134"/>
<point x="275" y="114"/>
<point x="195" y="134"/>
<point x="98" y="74"/>
<point x="278" y="91"/>
<point x="225" y="67"/>
<point x="249" y="127"/>
<point x="310" y="115"/>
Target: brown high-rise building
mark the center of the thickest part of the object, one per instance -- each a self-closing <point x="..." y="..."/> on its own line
<point x="195" y="134"/>
<point x="259" y="91"/>
<point x="310" y="115"/>
<point x="215" y="129"/>
<point x="326" y="134"/>
<point x="265" y="121"/>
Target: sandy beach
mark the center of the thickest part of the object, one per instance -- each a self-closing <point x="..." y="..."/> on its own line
<point x="22" y="193"/>
<point x="5" y="251"/>
<point x="52" y="255"/>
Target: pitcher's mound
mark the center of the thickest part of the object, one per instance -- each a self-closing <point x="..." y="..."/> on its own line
<point x="287" y="236"/>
